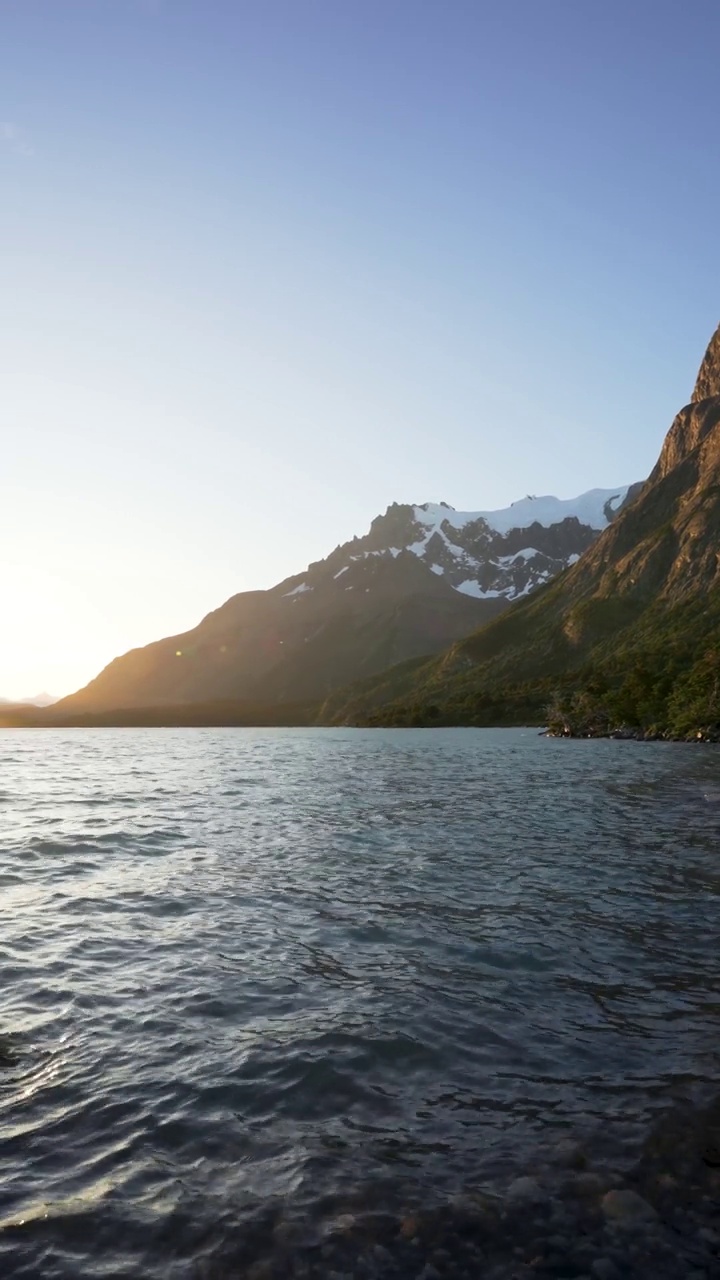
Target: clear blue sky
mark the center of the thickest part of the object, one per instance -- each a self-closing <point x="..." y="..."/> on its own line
<point x="269" y="266"/>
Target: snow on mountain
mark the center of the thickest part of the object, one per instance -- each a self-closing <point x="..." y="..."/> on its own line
<point x="488" y="555"/>
<point x="595" y="509"/>
<point x="421" y="578"/>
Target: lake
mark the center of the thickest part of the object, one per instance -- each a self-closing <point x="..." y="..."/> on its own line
<point x="252" y="979"/>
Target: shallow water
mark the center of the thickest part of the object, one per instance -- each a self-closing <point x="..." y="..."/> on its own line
<point x="260" y="974"/>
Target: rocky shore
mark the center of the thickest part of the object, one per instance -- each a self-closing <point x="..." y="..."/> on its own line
<point x="624" y="734"/>
<point x="563" y="1216"/>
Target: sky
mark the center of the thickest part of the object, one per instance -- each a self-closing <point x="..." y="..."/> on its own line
<point x="267" y="266"/>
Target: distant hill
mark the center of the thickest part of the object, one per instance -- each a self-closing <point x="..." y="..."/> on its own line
<point x="39" y="700"/>
<point x="421" y="578"/>
<point x="627" y="638"/>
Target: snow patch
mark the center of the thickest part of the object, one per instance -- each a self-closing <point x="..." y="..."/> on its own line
<point x="298" y="591"/>
<point x="588" y="508"/>
<point x="529" y="586"/>
<point x="436" y="568"/>
<point x="419" y="548"/>
<point x="527" y="553"/>
<point x="340" y="573"/>
<point x="365" y="555"/>
<point x="472" y="588"/>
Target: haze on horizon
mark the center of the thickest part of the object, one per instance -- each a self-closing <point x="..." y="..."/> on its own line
<point x="269" y="267"/>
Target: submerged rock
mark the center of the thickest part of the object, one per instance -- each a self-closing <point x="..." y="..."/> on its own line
<point x="527" y="1189"/>
<point x="568" y="1154"/>
<point x="627" y="1206"/>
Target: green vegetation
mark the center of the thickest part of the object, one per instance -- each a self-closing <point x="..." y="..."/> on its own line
<point x="625" y="642"/>
<point x="660" y="676"/>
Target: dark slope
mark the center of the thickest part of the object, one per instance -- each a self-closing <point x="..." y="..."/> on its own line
<point x="627" y="636"/>
<point x="285" y="644"/>
<point x="421" y="578"/>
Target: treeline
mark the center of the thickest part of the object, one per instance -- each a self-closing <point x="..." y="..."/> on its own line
<point x="657" y="696"/>
<point x="669" y="687"/>
<point x="189" y="715"/>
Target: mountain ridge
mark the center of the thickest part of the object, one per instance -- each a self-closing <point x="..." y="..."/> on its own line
<point x="624" y="639"/>
<point x="419" y="579"/>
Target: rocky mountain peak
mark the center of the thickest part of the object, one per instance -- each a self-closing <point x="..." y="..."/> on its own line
<point x="694" y="431"/>
<point x="488" y="555"/>
<point x="422" y="577"/>
<point x="626" y="641"/>
<point x="708" y="379"/>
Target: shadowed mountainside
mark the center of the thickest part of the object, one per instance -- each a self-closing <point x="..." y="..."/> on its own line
<point x="420" y="579"/>
<point x="627" y="637"/>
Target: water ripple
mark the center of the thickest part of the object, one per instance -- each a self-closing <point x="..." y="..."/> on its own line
<point x="250" y="968"/>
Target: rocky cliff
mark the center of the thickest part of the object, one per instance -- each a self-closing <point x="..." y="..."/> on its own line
<point x="629" y="633"/>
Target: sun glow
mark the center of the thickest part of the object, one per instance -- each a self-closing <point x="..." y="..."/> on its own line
<point x="51" y="636"/>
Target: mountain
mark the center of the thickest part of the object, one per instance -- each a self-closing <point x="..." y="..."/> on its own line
<point x="422" y="577"/>
<point x="39" y="700"/>
<point x="626" y="639"/>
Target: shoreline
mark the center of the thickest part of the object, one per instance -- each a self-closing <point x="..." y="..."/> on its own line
<point x="562" y="1214"/>
<point x="698" y="737"/>
<point x="155" y="719"/>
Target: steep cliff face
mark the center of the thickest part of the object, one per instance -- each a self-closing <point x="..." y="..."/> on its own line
<point x="645" y="596"/>
<point x="708" y="379"/>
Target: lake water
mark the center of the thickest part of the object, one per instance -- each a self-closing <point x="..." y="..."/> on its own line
<point x="256" y="977"/>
